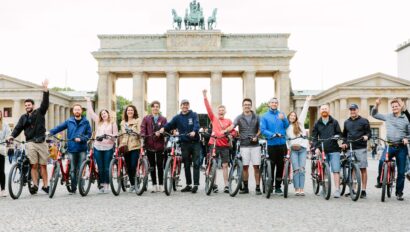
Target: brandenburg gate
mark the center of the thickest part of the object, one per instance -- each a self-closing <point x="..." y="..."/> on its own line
<point x="192" y="53"/>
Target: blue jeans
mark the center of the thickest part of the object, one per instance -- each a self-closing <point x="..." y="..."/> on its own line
<point x="333" y="159"/>
<point x="401" y="154"/>
<point x="77" y="158"/>
<point x="103" y="159"/>
<point x="298" y="165"/>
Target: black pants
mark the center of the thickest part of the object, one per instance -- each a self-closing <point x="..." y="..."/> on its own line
<point x="131" y="158"/>
<point x="276" y="155"/>
<point x="156" y="161"/>
<point x="2" y="174"/>
<point x="190" y="154"/>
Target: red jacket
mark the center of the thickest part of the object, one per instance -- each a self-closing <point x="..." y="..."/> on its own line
<point x="153" y="143"/>
<point x="216" y="126"/>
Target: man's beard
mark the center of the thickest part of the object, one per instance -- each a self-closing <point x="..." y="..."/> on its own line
<point x="324" y="114"/>
<point x="77" y="115"/>
<point x="29" y="110"/>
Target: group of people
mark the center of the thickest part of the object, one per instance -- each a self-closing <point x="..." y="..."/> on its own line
<point x="247" y="128"/>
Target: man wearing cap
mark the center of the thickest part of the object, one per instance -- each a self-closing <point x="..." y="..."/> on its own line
<point x="271" y="123"/>
<point x="356" y="127"/>
<point x="187" y="124"/>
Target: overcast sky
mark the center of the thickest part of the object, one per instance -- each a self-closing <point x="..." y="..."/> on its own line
<point x="335" y="40"/>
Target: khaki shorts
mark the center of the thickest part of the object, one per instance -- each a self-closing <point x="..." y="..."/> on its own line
<point x="361" y="155"/>
<point x="37" y="153"/>
<point x="251" y="155"/>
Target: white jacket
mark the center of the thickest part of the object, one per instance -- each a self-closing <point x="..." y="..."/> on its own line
<point x="301" y="120"/>
<point x="4" y="134"/>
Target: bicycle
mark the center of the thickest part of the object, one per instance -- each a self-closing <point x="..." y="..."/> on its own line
<point x="143" y="170"/>
<point x="20" y="173"/>
<point x="321" y="171"/>
<point x="350" y="172"/>
<point x="287" y="168"/>
<point x="172" y="170"/>
<point x="59" y="168"/>
<point x="235" y="172"/>
<point x="88" y="171"/>
<point x="388" y="173"/>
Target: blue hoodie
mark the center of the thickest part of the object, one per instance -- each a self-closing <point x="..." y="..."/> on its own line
<point x="271" y="124"/>
<point x="82" y="131"/>
<point x="185" y="123"/>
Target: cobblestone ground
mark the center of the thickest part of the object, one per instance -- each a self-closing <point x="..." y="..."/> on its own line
<point x="218" y="212"/>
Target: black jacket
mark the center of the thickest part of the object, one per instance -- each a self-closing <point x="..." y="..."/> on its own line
<point x="34" y="124"/>
<point x="322" y="131"/>
<point x="355" y="129"/>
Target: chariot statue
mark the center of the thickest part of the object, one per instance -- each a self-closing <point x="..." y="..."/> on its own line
<point x="212" y="20"/>
<point x="195" y="17"/>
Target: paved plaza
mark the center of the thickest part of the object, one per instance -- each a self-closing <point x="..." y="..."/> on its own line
<point x="198" y="212"/>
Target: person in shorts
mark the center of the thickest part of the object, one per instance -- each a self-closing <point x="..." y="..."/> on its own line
<point x="356" y="127"/>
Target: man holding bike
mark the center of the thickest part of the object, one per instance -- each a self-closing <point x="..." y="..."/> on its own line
<point x="78" y="133"/>
<point x="273" y="123"/>
<point x="328" y="127"/>
<point x="355" y="128"/>
<point x="33" y="124"/>
<point x="187" y="123"/>
<point x="398" y="132"/>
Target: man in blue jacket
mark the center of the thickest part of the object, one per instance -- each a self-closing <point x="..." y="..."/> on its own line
<point x="187" y="124"/>
<point x="271" y="123"/>
<point x="78" y="132"/>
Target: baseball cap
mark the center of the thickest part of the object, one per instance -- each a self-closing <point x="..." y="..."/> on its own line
<point x="353" y="106"/>
<point x="183" y="101"/>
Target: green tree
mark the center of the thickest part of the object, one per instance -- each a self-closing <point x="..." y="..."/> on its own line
<point x="59" y="89"/>
<point x="262" y="108"/>
<point x="122" y="102"/>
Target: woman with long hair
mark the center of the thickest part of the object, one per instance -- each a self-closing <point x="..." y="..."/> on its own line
<point x="129" y="143"/>
<point x="4" y="134"/>
<point x="298" y="146"/>
<point x="103" y="150"/>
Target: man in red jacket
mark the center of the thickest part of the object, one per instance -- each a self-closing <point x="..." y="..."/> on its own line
<point x="220" y="127"/>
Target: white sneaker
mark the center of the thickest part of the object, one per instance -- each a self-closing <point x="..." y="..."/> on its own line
<point x="3" y="193"/>
<point x="154" y="189"/>
<point x="160" y="188"/>
<point x="106" y="188"/>
<point x="101" y="191"/>
<point x="132" y="189"/>
<point x="337" y="194"/>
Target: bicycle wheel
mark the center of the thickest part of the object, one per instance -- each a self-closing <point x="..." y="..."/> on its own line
<point x="210" y="177"/>
<point x="115" y="177"/>
<point x="315" y="178"/>
<point x="391" y="180"/>
<point x="327" y="181"/>
<point x="267" y="178"/>
<point x="54" y="179"/>
<point x="85" y="178"/>
<point x="385" y="181"/>
<point x="168" y="180"/>
<point x="286" y="179"/>
<point x="343" y="179"/>
<point x="68" y="181"/>
<point x="355" y="182"/>
<point x="235" y="177"/>
<point x="141" y="177"/>
<point x="15" y="184"/>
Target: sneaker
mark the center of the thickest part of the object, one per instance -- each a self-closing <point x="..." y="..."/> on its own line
<point x="154" y="189"/>
<point x="3" y="193"/>
<point x="258" y="191"/>
<point x="302" y="194"/>
<point x="226" y="189"/>
<point x="378" y="185"/>
<point x="244" y="191"/>
<point x="337" y="194"/>
<point x="101" y="191"/>
<point x="45" y="189"/>
<point x="215" y="188"/>
<point x="363" y="194"/>
<point x="195" y="189"/>
<point x="187" y="188"/>
<point x="400" y="197"/>
<point x="348" y="194"/>
<point x="160" y="188"/>
<point x="278" y="191"/>
<point x="35" y="189"/>
<point x="132" y="189"/>
<point x="297" y="194"/>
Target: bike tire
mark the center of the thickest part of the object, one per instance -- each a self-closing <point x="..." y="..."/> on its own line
<point x="210" y="177"/>
<point x="141" y="177"/>
<point x="115" y="177"/>
<point x="235" y="177"/>
<point x="315" y="178"/>
<point x="392" y="179"/>
<point x="15" y="170"/>
<point x="68" y="181"/>
<point x="384" y="181"/>
<point x="168" y="180"/>
<point x="54" y="179"/>
<point x="286" y="179"/>
<point x="343" y="179"/>
<point x="267" y="178"/>
<point x="355" y="182"/>
<point x="327" y="182"/>
<point x="85" y="178"/>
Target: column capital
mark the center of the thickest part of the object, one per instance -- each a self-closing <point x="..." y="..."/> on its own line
<point x="171" y="73"/>
<point x="216" y="72"/>
<point x="103" y="72"/>
<point x="249" y="72"/>
<point x="137" y="73"/>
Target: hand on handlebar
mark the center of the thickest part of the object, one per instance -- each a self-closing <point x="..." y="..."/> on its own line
<point x="365" y="138"/>
<point x="192" y="134"/>
<point x="343" y="146"/>
<point x="405" y="141"/>
<point x="77" y="140"/>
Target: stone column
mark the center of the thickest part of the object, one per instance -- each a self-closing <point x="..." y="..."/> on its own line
<point x="50" y="112"/>
<point x="139" y="92"/>
<point x="172" y="93"/>
<point x="56" y="115"/>
<point x="249" y="86"/>
<point x="103" y="91"/>
<point x="336" y="114"/>
<point x="343" y="112"/>
<point x="298" y="110"/>
<point x="62" y="114"/>
<point x="282" y="90"/>
<point x="216" y="89"/>
<point x="16" y="109"/>
<point x="407" y="102"/>
<point x="332" y="107"/>
<point x="67" y="112"/>
<point x="364" y="108"/>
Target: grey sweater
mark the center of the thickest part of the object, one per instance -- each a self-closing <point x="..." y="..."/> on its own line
<point x="397" y="127"/>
